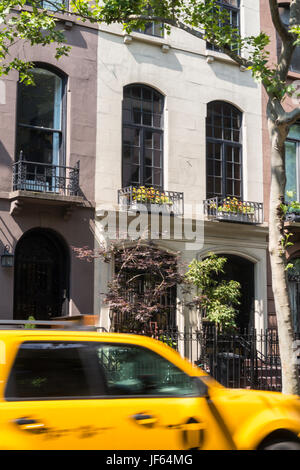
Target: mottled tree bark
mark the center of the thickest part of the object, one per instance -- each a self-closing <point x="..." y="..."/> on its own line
<point x="290" y="379"/>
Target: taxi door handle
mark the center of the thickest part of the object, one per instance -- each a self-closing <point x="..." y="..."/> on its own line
<point x="144" y="419"/>
<point x="29" y="424"/>
<point x="193" y="426"/>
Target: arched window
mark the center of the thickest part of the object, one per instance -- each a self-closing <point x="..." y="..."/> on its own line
<point x="142" y="158"/>
<point x="223" y="150"/>
<point x="40" y="126"/>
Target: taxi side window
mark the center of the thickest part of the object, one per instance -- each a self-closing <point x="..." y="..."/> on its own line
<point x="48" y="370"/>
<point x="60" y="370"/>
<point x="136" y="371"/>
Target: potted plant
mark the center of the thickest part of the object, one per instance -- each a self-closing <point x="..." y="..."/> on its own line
<point x="234" y="209"/>
<point x="150" y="199"/>
<point x="291" y="209"/>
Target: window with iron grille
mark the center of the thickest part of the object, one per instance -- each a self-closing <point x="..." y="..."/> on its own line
<point x="223" y="150"/>
<point x="143" y="292"/>
<point x="142" y="159"/>
<point x="139" y="290"/>
<point x="232" y="7"/>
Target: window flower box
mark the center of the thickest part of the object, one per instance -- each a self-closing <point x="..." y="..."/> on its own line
<point x="234" y="210"/>
<point x="149" y="199"/>
<point x="291" y="209"/>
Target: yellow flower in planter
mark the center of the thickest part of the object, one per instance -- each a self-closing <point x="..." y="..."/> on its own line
<point x="149" y="195"/>
<point x="235" y="206"/>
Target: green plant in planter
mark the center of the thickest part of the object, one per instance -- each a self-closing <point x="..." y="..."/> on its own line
<point x="291" y="207"/>
<point x="235" y="206"/>
<point x="145" y="195"/>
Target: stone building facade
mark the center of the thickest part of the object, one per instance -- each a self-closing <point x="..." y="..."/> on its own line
<point x="135" y="110"/>
<point x="174" y="99"/>
<point x="47" y="161"/>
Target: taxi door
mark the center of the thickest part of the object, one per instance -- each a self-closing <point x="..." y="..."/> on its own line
<point x="92" y="395"/>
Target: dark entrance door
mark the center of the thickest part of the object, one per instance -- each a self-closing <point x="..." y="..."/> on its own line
<point x="41" y="276"/>
<point x="242" y="270"/>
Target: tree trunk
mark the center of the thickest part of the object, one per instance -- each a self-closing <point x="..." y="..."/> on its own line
<point x="289" y="368"/>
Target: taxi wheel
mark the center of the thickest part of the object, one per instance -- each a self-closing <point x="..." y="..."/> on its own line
<point x="283" y="445"/>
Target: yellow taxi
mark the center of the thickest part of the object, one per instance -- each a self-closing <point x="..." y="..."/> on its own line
<point x="62" y="389"/>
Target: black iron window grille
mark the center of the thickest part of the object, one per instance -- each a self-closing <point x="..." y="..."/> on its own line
<point x="142" y="198"/>
<point x="46" y="178"/>
<point x="141" y="290"/>
<point x="223" y="150"/>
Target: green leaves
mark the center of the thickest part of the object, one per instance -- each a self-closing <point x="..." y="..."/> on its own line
<point x="205" y="18"/>
<point x="218" y="298"/>
<point x="32" y="25"/>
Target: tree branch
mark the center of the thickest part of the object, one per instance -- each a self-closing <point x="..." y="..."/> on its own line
<point x="288" y="40"/>
<point x="280" y="27"/>
<point x="289" y="118"/>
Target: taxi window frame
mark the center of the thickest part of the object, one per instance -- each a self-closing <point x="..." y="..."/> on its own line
<point x="83" y="362"/>
<point x="197" y="385"/>
<point x="96" y="371"/>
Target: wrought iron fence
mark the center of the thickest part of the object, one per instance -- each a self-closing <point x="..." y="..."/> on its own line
<point x="237" y="360"/>
<point x="234" y="210"/>
<point x="151" y="200"/>
<point x="46" y="178"/>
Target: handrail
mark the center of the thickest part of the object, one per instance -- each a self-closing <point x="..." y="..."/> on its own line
<point x="45" y="177"/>
<point x="148" y="198"/>
<point x="234" y="210"/>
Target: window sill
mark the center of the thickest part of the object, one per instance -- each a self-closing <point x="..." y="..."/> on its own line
<point x="294" y="75"/>
<point x="154" y="40"/>
<point x="67" y="18"/>
<point x="212" y="56"/>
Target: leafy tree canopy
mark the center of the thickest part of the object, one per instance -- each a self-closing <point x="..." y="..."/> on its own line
<point x="204" y="19"/>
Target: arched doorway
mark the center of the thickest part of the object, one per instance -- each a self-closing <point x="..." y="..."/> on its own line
<point x="242" y="270"/>
<point x="41" y="276"/>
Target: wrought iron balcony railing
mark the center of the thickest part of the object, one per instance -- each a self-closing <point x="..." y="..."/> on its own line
<point x="46" y="178"/>
<point x="147" y="199"/>
<point x="234" y="210"/>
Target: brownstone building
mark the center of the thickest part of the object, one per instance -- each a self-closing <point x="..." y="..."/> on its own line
<point x="47" y="167"/>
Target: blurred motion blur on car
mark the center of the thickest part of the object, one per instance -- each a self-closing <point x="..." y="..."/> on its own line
<point x="62" y="389"/>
